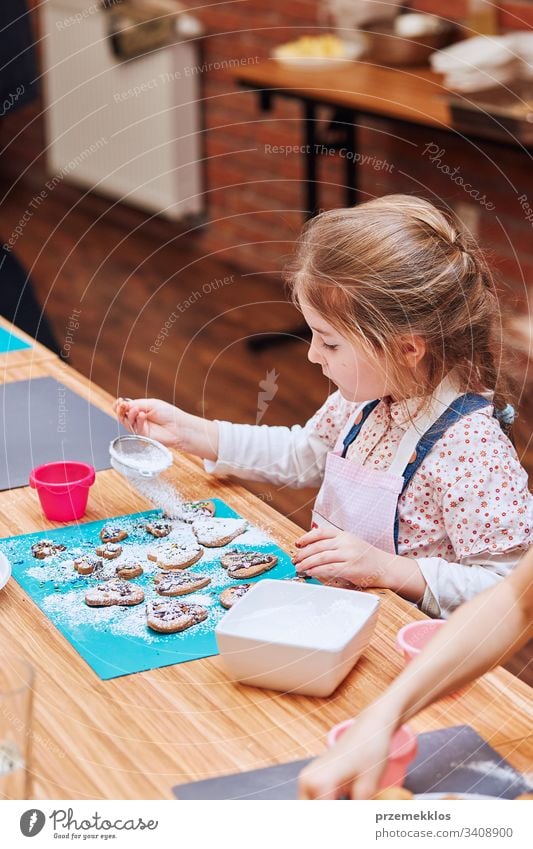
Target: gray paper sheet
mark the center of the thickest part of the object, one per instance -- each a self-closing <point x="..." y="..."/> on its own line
<point x="452" y="760"/>
<point x="42" y="421"/>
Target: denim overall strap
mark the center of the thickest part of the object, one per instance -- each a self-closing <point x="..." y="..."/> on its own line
<point x="353" y="433"/>
<point x="462" y="406"/>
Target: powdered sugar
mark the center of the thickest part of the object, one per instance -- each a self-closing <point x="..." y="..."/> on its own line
<point x="161" y="494"/>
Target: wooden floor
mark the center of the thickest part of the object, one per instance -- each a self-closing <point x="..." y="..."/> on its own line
<point x="129" y="275"/>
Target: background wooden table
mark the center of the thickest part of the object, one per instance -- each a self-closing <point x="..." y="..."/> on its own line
<point x="136" y="736"/>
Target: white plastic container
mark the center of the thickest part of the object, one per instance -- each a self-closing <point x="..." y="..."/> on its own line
<point x="297" y="638"/>
<point x="5" y="570"/>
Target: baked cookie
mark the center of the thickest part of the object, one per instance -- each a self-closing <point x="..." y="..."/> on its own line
<point x="193" y="510"/>
<point x="176" y="555"/>
<point x="299" y="579"/>
<point x="247" y="564"/>
<point x="87" y="564"/>
<point x="109" y="550"/>
<point x="168" y="617"/>
<point x="229" y="596"/>
<point x="214" y="533"/>
<point x="179" y="583"/>
<point x="113" y="533"/>
<point x="116" y="591"/>
<point x="46" y="548"/>
<point x="158" y="528"/>
<point x="129" y="570"/>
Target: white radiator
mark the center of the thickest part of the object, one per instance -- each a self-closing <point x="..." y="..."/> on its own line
<point x="130" y="130"/>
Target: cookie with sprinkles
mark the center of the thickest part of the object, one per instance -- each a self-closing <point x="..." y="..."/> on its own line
<point x="176" y="555"/>
<point x="129" y="570"/>
<point x="114" y="592"/>
<point x="109" y="550"/>
<point x="87" y="564"/>
<point x="169" y="617"/>
<point x="192" y="510"/>
<point x="178" y="583"/>
<point x="247" y="564"/>
<point x="46" y="548"/>
<point x="230" y="595"/>
<point x="112" y="533"/>
<point x="214" y="533"/>
<point x="158" y="528"/>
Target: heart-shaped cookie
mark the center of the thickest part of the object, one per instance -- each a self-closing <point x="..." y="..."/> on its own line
<point x="214" y="533"/>
<point x="247" y="564"/>
<point x="129" y="570"/>
<point x="46" y="548"/>
<point x="192" y="510"/>
<point x="87" y="564"/>
<point x="158" y="528"/>
<point x="179" y="583"/>
<point x="229" y="596"/>
<point x="116" y="591"/>
<point x="176" y="555"/>
<point x="169" y="617"/>
<point x="113" y="533"/>
<point x="109" y="550"/>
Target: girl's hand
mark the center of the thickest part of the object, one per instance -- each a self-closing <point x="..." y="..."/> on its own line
<point x="169" y="425"/>
<point x="342" y="559"/>
<point x="336" y="556"/>
<point x="353" y="767"/>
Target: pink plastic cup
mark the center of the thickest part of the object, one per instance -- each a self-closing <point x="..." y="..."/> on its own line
<point x="412" y="638"/>
<point x="63" y="489"/>
<point x="403" y="749"/>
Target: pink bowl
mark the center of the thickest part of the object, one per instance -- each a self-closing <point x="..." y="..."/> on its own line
<point x="412" y="638"/>
<point x="403" y="748"/>
<point x="63" y="489"/>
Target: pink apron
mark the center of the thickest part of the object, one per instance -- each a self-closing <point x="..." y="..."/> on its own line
<point x="362" y="500"/>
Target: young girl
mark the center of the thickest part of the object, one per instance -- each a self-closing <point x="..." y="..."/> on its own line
<point x="421" y="491"/>
<point x="467" y="647"/>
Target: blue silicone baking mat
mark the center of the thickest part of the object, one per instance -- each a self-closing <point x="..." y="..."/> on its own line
<point x="9" y="342"/>
<point x="116" y="641"/>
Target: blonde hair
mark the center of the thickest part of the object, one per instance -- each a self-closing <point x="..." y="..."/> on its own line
<point x="397" y="265"/>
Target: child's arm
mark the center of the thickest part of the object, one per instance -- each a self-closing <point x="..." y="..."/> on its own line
<point x="479" y="635"/>
<point x="281" y="455"/>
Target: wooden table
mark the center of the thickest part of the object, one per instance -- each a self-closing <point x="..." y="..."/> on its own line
<point x="136" y="736"/>
<point x="355" y="91"/>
